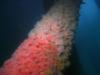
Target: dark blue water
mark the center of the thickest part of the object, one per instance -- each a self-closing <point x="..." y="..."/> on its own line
<point x="17" y="19"/>
<point x="88" y="38"/>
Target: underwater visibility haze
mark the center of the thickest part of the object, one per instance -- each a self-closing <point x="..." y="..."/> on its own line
<point x="50" y="37"/>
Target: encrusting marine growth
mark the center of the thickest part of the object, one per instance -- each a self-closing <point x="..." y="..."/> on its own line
<point x="46" y="49"/>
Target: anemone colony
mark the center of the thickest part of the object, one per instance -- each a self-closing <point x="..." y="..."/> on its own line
<point x="47" y="48"/>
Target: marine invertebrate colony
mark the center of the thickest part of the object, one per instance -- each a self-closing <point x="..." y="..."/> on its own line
<point x="46" y="49"/>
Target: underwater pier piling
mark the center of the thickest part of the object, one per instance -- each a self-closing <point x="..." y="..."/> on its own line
<point x="48" y="46"/>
